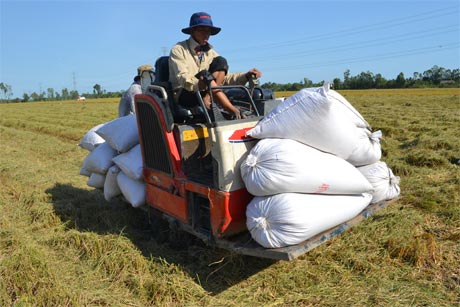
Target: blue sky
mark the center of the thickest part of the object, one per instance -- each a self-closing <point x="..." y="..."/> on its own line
<point x="77" y="44"/>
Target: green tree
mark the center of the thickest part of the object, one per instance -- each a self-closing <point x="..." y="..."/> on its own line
<point x="307" y="82"/>
<point x="25" y="97"/>
<point x="73" y="94"/>
<point x="35" y="96"/>
<point x="365" y="80"/>
<point x="65" y="93"/>
<point x="6" y="90"/>
<point x="337" y="83"/>
<point x="97" y="90"/>
<point x="436" y="74"/>
<point x="400" y="80"/>
<point x="455" y="75"/>
<point x="50" y="93"/>
<point x="380" y="81"/>
<point x="346" y="79"/>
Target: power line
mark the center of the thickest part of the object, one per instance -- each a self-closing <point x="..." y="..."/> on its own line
<point x="356" y="30"/>
<point x="406" y="37"/>
<point x="420" y="34"/>
<point x="397" y="54"/>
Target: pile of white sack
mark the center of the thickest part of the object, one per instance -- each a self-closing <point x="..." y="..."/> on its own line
<point x="316" y="166"/>
<point x="114" y="162"/>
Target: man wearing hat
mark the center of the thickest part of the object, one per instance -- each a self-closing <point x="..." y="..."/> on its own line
<point x="189" y="57"/>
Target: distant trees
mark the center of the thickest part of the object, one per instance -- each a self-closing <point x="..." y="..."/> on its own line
<point x="6" y="91"/>
<point x="50" y="93"/>
<point x="400" y="80"/>
<point x="97" y="90"/>
<point x="25" y="97"/>
<point x="65" y="94"/>
<point x="433" y="77"/>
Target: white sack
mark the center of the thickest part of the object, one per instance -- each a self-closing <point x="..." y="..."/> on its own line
<point x="346" y="106"/>
<point x="368" y="150"/>
<point x="276" y="166"/>
<point x="91" y="139"/>
<point x="386" y="185"/>
<point x="84" y="171"/>
<point x="96" y="180"/>
<point x="323" y="119"/>
<point x="131" y="163"/>
<point x="120" y="133"/>
<point x="291" y="218"/>
<point x="111" y="188"/>
<point x="100" y="159"/>
<point x="132" y="190"/>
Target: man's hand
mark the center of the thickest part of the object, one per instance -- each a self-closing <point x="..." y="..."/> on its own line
<point x="237" y="113"/>
<point x="253" y="72"/>
<point x="204" y="78"/>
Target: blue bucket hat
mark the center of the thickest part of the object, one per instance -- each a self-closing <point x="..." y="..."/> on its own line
<point x="201" y="19"/>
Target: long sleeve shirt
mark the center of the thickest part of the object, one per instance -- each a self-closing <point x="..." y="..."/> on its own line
<point x="184" y="64"/>
<point x="126" y="105"/>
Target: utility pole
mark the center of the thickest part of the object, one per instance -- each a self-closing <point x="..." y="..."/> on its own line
<point x="74" y="81"/>
<point x="164" y="50"/>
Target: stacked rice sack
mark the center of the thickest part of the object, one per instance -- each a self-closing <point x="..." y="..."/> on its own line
<point x="316" y="166"/>
<point x="114" y="162"/>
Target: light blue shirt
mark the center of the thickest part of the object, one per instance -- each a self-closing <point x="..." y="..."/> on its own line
<point x="126" y="105"/>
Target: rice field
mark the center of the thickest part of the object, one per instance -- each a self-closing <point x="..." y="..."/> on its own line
<point x="62" y="244"/>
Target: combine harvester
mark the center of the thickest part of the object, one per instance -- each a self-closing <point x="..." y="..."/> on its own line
<point x="192" y="169"/>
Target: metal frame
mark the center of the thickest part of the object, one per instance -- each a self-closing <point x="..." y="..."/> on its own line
<point x="213" y="104"/>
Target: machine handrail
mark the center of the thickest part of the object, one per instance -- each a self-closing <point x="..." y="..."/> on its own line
<point x="244" y="88"/>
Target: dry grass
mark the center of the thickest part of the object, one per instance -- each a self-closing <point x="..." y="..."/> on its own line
<point x="62" y="244"/>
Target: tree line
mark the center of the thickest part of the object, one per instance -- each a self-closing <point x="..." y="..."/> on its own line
<point x="51" y="94"/>
<point x="433" y="77"/>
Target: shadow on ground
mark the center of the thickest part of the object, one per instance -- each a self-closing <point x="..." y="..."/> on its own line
<point x="213" y="268"/>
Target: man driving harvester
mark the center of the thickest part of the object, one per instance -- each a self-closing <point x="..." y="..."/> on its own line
<point x="194" y="60"/>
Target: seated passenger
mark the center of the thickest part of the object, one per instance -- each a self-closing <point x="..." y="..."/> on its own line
<point x="194" y="55"/>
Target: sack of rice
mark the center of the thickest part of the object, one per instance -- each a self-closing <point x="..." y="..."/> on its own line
<point x="384" y="182"/>
<point x="328" y="123"/>
<point x="131" y="163"/>
<point x="96" y="180"/>
<point x="276" y="166"/>
<point x="132" y="190"/>
<point x="111" y="188"/>
<point x="100" y="159"/>
<point x="120" y="133"/>
<point x="291" y="218"/>
<point x="84" y="171"/>
<point x="91" y="139"/>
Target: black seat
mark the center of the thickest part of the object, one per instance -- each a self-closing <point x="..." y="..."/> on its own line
<point x="162" y="69"/>
<point x="180" y="113"/>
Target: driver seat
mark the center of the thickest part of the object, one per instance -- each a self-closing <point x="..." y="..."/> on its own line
<point x="180" y="114"/>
